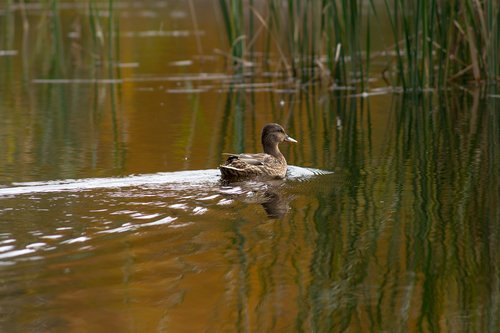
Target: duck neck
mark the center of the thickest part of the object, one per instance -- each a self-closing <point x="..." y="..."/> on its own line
<point x="272" y="149"/>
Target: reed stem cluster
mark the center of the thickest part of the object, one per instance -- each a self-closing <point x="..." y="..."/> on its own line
<point x="426" y="44"/>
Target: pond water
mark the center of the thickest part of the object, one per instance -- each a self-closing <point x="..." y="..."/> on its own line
<point x="113" y="216"/>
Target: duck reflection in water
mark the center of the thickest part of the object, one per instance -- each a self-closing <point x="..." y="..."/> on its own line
<point x="276" y="205"/>
<point x="268" y="166"/>
<point x="269" y="194"/>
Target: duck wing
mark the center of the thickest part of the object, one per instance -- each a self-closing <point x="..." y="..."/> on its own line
<point x="251" y="159"/>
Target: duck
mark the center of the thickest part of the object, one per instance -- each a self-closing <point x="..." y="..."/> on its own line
<point x="271" y="164"/>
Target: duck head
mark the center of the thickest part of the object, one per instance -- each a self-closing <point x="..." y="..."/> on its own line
<point x="272" y="135"/>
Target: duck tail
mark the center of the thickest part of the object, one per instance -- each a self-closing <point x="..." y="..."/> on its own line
<point x="230" y="172"/>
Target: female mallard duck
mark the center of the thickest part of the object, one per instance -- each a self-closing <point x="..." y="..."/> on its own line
<point x="270" y="164"/>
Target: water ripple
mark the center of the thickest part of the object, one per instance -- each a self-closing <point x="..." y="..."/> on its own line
<point x="179" y="179"/>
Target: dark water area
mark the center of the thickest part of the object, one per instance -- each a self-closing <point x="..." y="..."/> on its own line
<point x="113" y="216"/>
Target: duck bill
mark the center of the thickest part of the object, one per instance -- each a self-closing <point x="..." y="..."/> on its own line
<point x="290" y="139"/>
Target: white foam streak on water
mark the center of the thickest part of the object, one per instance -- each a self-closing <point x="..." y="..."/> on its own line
<point x="180" y="177"/>
<point x="129" y="226"/>
<point x="189" y="178"/>
<point x="76" y="240"/>
<point x="7" y="248"/>
<point x="16" y="253"/>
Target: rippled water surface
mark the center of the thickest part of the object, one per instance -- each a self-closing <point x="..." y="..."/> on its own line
<point x="113" y="217"/>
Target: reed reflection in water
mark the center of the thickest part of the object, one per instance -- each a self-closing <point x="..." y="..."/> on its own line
<point x="402" y="237"/>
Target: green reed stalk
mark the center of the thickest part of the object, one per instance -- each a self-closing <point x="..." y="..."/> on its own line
<point x="493" y="41"/>
<point x="227" y="20"/>
<point x="58" y="60"/>
<point x="93" y="23"/>
<point x="111" y="30"/>
<point x="234" y="22"/>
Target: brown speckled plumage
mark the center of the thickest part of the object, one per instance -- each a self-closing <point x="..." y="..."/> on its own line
<point x="270" y="164"/>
